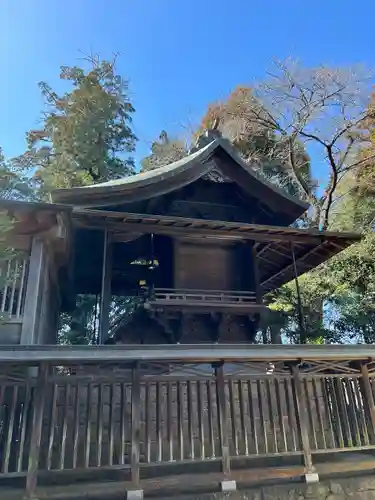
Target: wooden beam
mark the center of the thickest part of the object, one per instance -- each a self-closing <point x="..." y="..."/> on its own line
<point x="219" y="234"/>
<point x="302" y="417"/>
<point x="16" y="354"/>
<point x="291" y="266"/>
<point x="105" y="296"/>
<point x="270" y="248"/>
<point x="258" y="290"/>
<point x="301" y="319"/>
<point x="223" y="418"/>
<point x="34" y="292"/>
<point x="36" y="430"/>
<point x="147" y="223"/>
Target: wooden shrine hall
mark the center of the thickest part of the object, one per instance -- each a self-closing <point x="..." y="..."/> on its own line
<point x="199" y="242"/>
<point x="178" y="394"/>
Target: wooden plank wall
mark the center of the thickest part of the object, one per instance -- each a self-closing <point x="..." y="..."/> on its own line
<point x="204" y="266"/>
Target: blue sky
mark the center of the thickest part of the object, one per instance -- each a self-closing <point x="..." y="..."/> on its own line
<point x="179" y="55"/>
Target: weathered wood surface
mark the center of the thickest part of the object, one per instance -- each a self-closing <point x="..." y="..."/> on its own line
<point x="112" y="416"/>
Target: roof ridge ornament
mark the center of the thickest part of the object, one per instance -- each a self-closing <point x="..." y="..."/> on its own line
<point x="205" y="138"/>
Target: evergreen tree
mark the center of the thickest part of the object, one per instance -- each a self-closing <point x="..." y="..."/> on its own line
<point x="86" y="135"/>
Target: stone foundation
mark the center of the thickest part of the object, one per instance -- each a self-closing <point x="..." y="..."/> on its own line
<point x="359" y="488"/>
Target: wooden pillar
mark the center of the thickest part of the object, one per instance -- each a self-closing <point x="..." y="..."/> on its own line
<point x="302" y="328"/>
<point x="223" y="417"/>
<point x="302" y="421"/>
<point x="136" y="431"/>
<point x="36" y="430"/>
<point x="258" y="292"/>
<point x="34" y="292"/>
<point x="105" y="297"/>
<point x="368" y="400"/>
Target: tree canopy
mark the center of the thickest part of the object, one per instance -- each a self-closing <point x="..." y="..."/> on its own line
<point x="86" y="135"/>
<point x="164" y="151"/>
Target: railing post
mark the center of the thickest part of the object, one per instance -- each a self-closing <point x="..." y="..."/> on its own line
<point x="36" y="431"/>
<point x="368" y="400"/>
<point x="311" y="475"/>
<point x="136" y="493"/>
<point x="226" y="484"/>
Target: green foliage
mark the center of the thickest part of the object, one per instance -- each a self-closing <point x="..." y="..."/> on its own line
<point x="86" y="133"/>
<point x="85" y="138"/>
<point x="12" y="184"/>
<point x="81" y="326"/>
<point x="343" y="288"/>
<point x="163" y="152"/>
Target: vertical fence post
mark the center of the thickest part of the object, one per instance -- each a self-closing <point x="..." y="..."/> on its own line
<point x="302" y="418"/>
<point x="368" y="400"/>
<point x="136" y="493"/>
<point x="226" y="485"/>
<point x="36" y="431"/>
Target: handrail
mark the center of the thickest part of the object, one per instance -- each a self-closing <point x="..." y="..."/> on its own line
<point x="189" y="296"/>
<point x="184" y="353"/>
<point x="206" y="292"/>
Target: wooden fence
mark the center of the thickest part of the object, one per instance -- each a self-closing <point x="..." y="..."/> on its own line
<point x="99" y="413"/>
<point x="13" y="287"/>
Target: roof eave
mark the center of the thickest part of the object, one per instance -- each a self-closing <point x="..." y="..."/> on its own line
<point x="100" y="194"/>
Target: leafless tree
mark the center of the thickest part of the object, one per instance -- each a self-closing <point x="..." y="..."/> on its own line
<point x="319" y="106"/>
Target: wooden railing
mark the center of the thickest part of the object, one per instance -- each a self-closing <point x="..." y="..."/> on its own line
<point x="203" y="298"/>
<point x="210" y="295"/>
<point x="64" y="411"/>
<point x="12" y="288"/>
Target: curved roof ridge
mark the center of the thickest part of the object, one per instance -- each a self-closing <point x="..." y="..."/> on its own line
<point x="168" y="178"/>
<point x="144" y="177"/>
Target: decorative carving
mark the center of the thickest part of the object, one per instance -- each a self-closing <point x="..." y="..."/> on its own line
<point x="216" y="175"/>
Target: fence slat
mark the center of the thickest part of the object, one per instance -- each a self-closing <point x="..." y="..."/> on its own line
<point x="170" y="421"/>
<point x="64" y="426"/>
<point x="321" y="429"/>
<point x="280" y="414"/>
<point x="36" y="430"/>
<point x="76" y="423"/>
<point x="24" y="426"/>
<point x="233" y="414"/>
<point x="122" y="423"/>
<point x="52" y="427"/>
<point x="201" y="419"/>
<point x="11" y="429"/>
<point x="301" y="411"/>
<point x="190" y="418"/>
<point x="177" y="416"/>
<point x="254" y="433"/>
<point x="262" y="416"/>
<point x="87" y="426"/>
<point x="136" y="414"/>
<point x="243" y="417"/>
<point x="159" y="422"/>
<point x="180" y="418"/>
<point x="210" y="411"/>
<point x="223" y="419"/>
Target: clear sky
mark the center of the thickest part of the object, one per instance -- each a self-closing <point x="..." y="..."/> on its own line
<point x="179" y="55"/>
